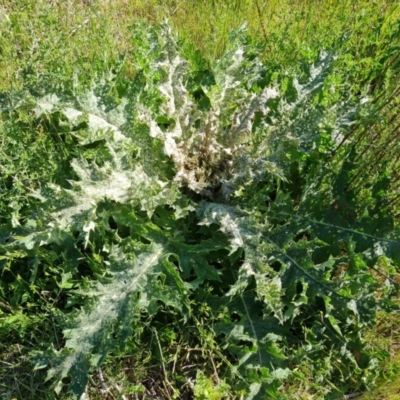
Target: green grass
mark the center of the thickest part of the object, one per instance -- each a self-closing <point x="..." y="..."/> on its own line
<point x="66" y="37"/>
<point x="50" y="45"/>
<point x="386" y="336"/>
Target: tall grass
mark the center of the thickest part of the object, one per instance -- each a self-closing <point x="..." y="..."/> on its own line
<point x="49" y="36"/>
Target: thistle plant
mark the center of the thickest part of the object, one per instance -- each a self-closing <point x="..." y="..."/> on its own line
<point x="210" y="187"/>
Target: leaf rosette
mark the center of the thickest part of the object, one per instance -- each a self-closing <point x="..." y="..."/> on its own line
<point x="215" y="194"/>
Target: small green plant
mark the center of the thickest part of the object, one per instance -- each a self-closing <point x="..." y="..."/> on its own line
<point x="205" y="388"/>
<point x="205" y="192"/>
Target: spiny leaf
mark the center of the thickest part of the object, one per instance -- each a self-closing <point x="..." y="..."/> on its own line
<point x="111" y="307"/>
